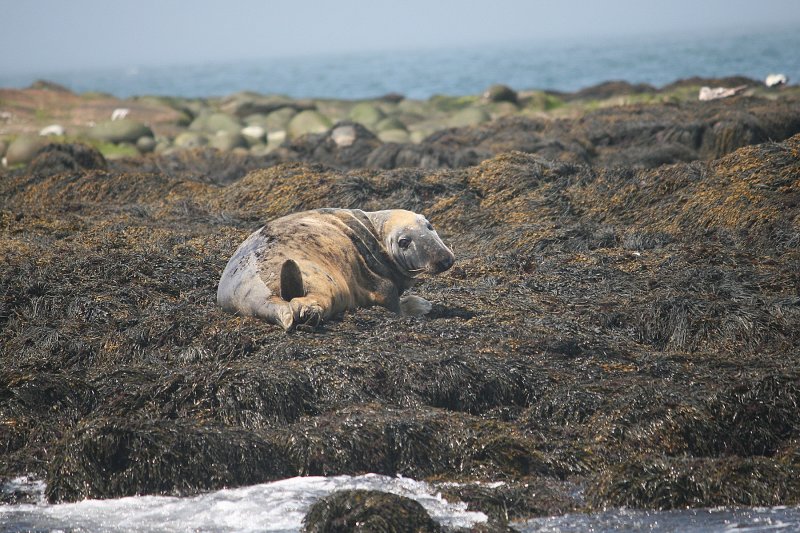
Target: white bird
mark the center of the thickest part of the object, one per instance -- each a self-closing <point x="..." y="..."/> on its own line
<point x="707" y="93"/>
<point x="776" y="79"/>
<point x="120" y="113"/>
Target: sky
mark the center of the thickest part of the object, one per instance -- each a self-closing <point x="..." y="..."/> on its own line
<point x="55" y="35"/>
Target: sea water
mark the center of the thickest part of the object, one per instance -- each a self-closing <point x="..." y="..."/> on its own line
<point x="281" y="505"/>
<point x="552" y="65"/>
<point x="270" y="507"/>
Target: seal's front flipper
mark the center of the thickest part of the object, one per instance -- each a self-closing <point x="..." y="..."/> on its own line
<point x="291" y="281"/>
<point x="414" y="306"/>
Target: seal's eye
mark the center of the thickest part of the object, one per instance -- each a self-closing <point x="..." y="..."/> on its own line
<point x="403" y="242"/>
<point x="429" y="226"/>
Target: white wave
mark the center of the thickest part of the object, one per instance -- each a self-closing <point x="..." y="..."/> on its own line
<point x="276" y="507"/>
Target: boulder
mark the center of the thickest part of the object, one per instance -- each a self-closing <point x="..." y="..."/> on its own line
<point x="57" y="158"/>
<point x="247" y="103"/>
<point x="277" y="120"/>
<point x="367" y="114"/>
<point x="146" y="144"/>
<point x="390" y="123"/>
<point x="216" y="122"/>
<point x="254" y="134"/>
<point x="366" y="511"/>
<point x="190" y="139"/>
<point x="394" y="136"/>
<point x="469" y="116"/>
<point x="226" y="141"/>
<point x="500" y="93"/>
<point x="119" y="131"/>
<point x="23" y="149"/>
<point x="308" y="122"/>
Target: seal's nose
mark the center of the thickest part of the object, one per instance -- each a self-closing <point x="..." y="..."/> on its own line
<point x="445" y="263"/>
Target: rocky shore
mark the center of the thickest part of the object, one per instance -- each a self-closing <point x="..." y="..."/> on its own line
<point x="621" y="327"/>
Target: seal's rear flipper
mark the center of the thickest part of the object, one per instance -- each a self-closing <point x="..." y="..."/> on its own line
<point x="291" y="281"/>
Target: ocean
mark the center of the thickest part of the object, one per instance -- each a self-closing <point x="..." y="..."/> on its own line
<point x="419" y="74"/>
<point x="279" y="507"/>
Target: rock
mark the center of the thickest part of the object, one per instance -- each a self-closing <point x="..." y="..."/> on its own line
<point x="390" y="123"/>
<point x="500" y="93"/>
<point x="347" y="144"/>
<point x="119" y="131"/>
<point x="57" y="158"/>
<point x="343" y="135"/>
<point x="277" y="120"/>
<point x="276" y="137"/>
<point x="392" y="98"/>
<point x="216" y="122"/>
<point x="367" y="114"/>
<point x="162" y="145"/>
<point x="226" y="141"/>
<point x="260" y="150"/>
<point x="503" y="109"/>
<point x="248" y="103"/>
<point x="23" y="149"/>
<point x="146" y="144"/>
<point x="394" y="136"/>
<point x="48" y="85"/>
<point x="610" y="89"/>
<point x="190" y="139"/>
<point x="308" y="122"/>
<point x="470" y="116"/>
<point x="254" y="134"/>
<point x="56" y="130"/>
<point x="366" y="511"/>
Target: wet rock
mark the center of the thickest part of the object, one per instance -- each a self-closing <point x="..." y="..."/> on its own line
<point x="470" y="116"/>
<point x="368" y="511"/>
<point x="390" y="123"/>
<point x="216" y="122"/>
<point x="227" y="141"/>
<point x="190" y="139"/>
<point x="146" y="145"/>
<point x="119" y="131"/>
<point x="366" y="114"/>
<point x="254" y="134"/>
<point x="308" y="122"/>
<point x="610" y="89"/>
<point x="346" y="144"/>
<point x="48" y="85"/>
<point x="394" y="136"/>
<point x="58" y="158"/>
<point x="500" y="93"/>
<point x="134" y="461"/>
<point x="246" y="104"/>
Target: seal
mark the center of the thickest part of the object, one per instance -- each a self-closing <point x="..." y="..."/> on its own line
<point x="304" y="268"/>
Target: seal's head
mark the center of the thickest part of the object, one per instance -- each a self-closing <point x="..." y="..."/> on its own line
<point x="412" y="242"/>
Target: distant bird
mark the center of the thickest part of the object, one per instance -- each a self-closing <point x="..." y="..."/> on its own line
<point x="707" y="93"/>
<point x="53" y="129"/>
<point x="773" y="80"/>
<point x="120" y="113"/>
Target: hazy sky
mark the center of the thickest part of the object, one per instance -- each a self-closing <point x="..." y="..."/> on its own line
<point x="48" y="35"/>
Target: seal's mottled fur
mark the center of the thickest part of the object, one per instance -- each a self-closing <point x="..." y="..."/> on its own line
<point x="306" y="267"/>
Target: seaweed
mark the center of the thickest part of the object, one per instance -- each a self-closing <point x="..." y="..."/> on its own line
<point x="631" y="330"/>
